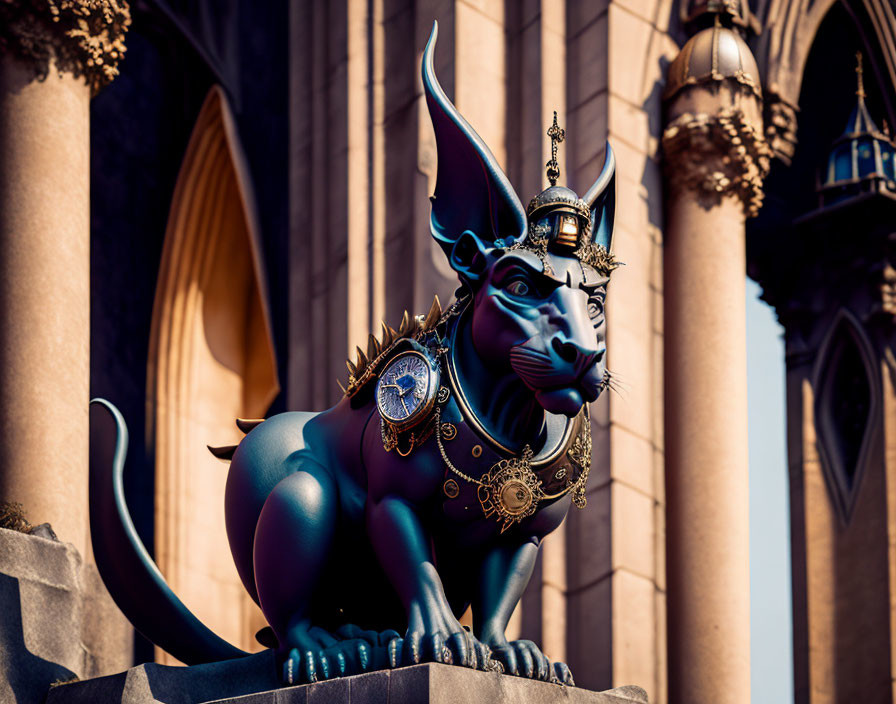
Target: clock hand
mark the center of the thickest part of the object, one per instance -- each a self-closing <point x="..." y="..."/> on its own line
<point x="406" y="409"/>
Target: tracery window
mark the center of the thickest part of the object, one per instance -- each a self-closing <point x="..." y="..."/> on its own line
<point x="844" y="410"/>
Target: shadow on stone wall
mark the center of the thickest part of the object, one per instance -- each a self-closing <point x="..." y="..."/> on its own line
<point x="58" y="622"/>
<point x="24" y="676"/>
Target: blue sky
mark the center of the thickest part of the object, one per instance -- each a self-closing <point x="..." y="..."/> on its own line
<point x="770" y="612"/>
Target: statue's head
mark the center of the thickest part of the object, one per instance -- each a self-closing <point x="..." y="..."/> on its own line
<point x="537" y="277"/>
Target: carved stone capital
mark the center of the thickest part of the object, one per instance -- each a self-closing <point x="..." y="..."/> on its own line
<point x="780" y="127"/>
<point x="717" y="155"/>
<point x="885" y="300"/>
<point x="82" y="37"/>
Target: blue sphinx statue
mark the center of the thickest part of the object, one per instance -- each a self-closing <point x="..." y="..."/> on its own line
<point x="366" y="530"/>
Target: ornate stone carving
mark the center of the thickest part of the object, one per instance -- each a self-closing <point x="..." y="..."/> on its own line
<point x="780" y="127"/>
<point x="887" y="290"/>
<point x="716" y="156"/>
<point x="83" y="37"/>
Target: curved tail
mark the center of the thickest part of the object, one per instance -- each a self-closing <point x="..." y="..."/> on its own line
<point x="130" y="575"/>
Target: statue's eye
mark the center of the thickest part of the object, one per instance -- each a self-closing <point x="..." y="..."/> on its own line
<point x="518" y="288"/>
<point x="595" y="307"/>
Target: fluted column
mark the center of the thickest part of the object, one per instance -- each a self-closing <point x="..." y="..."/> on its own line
<point x="53" y="56"/>
<point x="716" y="159"/>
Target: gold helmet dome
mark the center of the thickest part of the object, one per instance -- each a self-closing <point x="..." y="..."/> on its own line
<point x="558" y="215"/>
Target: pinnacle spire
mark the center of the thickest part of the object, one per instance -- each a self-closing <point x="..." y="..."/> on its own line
<point x="557" y="135"/>
<point x="860" y="87"/>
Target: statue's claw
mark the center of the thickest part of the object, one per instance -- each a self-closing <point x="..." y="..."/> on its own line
<point x="562" y="675"/>
<point x="437" y="651"/>
<point x="524" y="659"/>
<point x="411" y="652"/>
<point x="364" y="654"/>
<point x="462" y="650"/>
<point x="290" y="668"/>
<point x="483" y="656"/>
<point x="394" y="650"/>
<point x="333" y="657"/>
<point x="458" y="649"/>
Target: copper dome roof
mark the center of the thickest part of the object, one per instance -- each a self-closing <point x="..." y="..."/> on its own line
<point x="713" y="54"/>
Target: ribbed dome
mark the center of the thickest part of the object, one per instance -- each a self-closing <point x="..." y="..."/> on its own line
<point x="862" y="159"/>
<point x="557" y="197"/>
<point x="713" y="54"/>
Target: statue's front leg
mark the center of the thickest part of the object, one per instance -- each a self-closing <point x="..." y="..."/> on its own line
<point x="503" y="577"/>
<point x="433" y="634"/>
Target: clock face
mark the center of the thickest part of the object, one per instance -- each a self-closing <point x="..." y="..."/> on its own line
<point x="406" y="389"/>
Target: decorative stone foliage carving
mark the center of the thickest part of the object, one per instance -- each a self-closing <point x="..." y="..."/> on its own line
<point x="717" y="156"/>
<point x="780" y="127"/>
<point x="888" y="290"/>
<point x="83" y="37"/>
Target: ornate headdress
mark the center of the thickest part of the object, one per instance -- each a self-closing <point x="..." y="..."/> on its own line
<point x="560" y="221"/>
<point x="557" y="219"/>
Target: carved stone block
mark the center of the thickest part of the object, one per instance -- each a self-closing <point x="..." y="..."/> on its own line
<point x="224" y="682"/>
<point x="58" y="621"/>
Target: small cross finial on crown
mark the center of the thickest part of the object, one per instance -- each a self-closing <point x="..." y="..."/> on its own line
<point x="860" y="91"/>
<point x="557" y="135"/>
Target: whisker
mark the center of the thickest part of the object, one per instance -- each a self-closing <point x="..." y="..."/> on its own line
<point x="615" y="379"/>
<point x="611" y="381"/>
<point x="615" y="375"/>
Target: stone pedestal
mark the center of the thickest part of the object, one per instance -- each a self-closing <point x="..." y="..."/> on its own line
<point x="422" y="684"/>
<point x="57" y="622"/>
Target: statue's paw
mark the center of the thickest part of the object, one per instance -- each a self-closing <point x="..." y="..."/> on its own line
<point x="562" y="675"/>
<point x="347" y="657"/>
<point x="457" y="649"/>
<point x="415" y="648"/>
<point x="524" y="659"/>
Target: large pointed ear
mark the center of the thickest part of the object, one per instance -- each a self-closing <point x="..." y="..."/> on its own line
<point x="472" y="192"/>
<point x="601" y="199"/>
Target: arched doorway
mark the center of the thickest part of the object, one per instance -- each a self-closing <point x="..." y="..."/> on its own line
<point x="211" y="360"/>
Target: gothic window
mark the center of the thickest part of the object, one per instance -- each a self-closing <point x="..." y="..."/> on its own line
<point x="844" y="409"/>
<point x="865" y="158"/>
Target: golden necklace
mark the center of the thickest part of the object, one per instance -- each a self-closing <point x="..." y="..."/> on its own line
<point x="510" y="490"/>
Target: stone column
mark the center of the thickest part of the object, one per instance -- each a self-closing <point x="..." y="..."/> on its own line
<point x="716" y="159"/>
<point x="53" y="55"/>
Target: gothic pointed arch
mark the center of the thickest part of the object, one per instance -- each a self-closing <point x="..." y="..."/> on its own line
<point x="211" y="360"/>
<point x="791" y="29"/>
<point x="846" y="408"/>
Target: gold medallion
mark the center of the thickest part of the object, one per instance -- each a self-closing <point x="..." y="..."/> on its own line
<point x="510" y="490"/>
<point x="451" y="489"/>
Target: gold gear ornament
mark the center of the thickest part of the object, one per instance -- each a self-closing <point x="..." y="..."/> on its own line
<point x="511" y="490"/>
